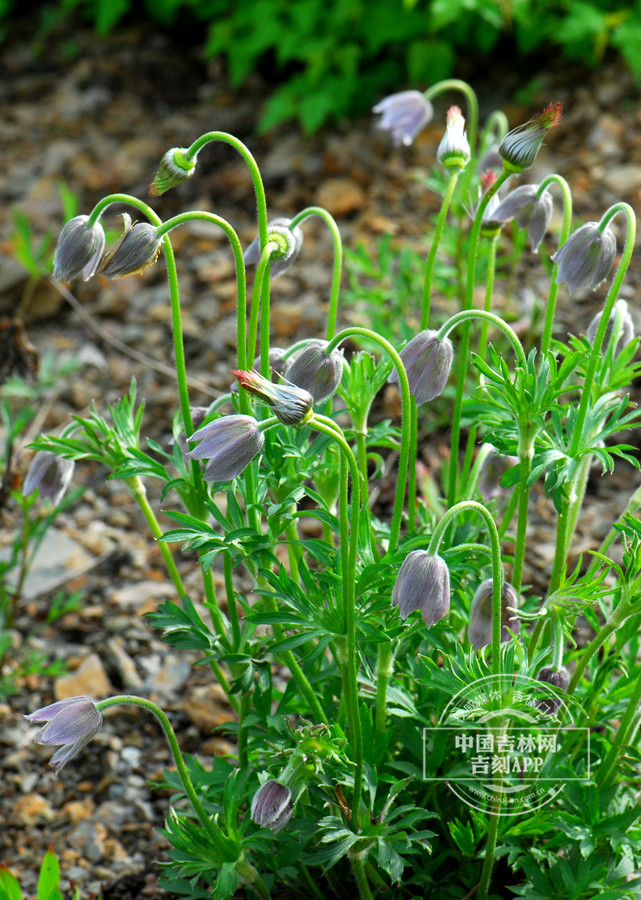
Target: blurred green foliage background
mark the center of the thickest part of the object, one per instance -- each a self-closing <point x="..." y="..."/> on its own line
<point x="331" y="58"/>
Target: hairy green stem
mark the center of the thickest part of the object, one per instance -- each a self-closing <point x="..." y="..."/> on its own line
<point x="465" y="335"/>
<point x="403" y="461"/>
<point x="498" y="575"/>
<point x="436" y="240"/>
<point x="565" y="231"/>
<point x="595" y="355"/>
<point x="224" y="846"/>
<point x="337" y="268"/>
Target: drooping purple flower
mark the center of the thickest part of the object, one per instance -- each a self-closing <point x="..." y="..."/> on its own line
<point x="559" y="678"/>
<point x="586" y="257"/>
<point x="626" y="331"/>
<point x="278" y="264"/>
<point x="530" y="211"/>
<point x="317" y="371"/>
<point x="404" y="114"/>
<point x="423" y="582"/>
<point x="272" y="805"/>
<point x="50" y="473"/>
<point x="290" y="404"/>
<point x="137" y="248"/>
<point x="427" y="362"/>
<point x="70" y="725"/>
<point x="479" y="631"/>
<point x="520" y="146"/>
<point x="229" y="443"/>
<point x="79" y="249"/>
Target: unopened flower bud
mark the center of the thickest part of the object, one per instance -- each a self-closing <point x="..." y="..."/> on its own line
<point x="272" y="805"/>
<point x="479" y="631"/>
<point x="520" y="146"/>
<point x="493" y="468"/>
<point x="586" y="257"/>
<point x="289" y="239"/>
<point x="559" y="678"/>
<point x="427" y="362"/>
<point x="175" y="167"/>
<point x="454" y="149"/>
<point x="625" y="331"/>
<point x="317" y="371"/>
<point x="49" y="473"/>
<point x="278" y="363"/>
<point x="70" y="725"/>
<point x="423" y="582"/>
<point x="404" y="114"/>
<point x="290" y="404"/>
<point x="529" y="211"/>
<point x="138" y="248"/>
<point x="79" y="249"/>
<point x="229" y="443"/>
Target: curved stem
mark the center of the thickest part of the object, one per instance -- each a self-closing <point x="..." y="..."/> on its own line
<point x="139" y="493"/>
<point x="241" y="278"/>
<point x="257" y="302"/>
<point x="261" y="203"/>
<point x="465" y="336"/>
<point x="404" y="455"/>
<point x="222" y="843"/>
<point x="467" y="314"/>
<point x="595" y="356"/>
<point x="526" y="453"/>
<point x="489" y="290"/>
<point x="436" y="240"/>
<point x="337" y="269"/>
<point x="348" y="579"/>
<point x="565" y="231"/>
<point x="498" y="575"/>
<point x="454" y="84"/>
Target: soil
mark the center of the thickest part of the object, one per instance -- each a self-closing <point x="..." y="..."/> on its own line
<point x="99" y="121"/>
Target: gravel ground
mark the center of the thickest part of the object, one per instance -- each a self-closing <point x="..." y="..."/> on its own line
<point x="100" y="121"/>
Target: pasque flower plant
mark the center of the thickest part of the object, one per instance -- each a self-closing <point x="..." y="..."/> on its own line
<point x="319" y="553"/>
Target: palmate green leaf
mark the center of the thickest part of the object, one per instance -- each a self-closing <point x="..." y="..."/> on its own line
<point x="182" y="628"/>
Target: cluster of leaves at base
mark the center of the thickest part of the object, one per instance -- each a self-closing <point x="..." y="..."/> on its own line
<point x="336" y="59"/>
